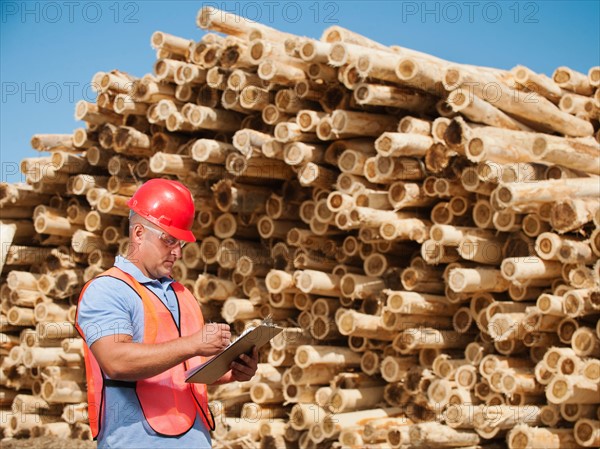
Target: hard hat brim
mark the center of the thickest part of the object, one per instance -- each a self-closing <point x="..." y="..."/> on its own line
<point x="179" y="234"/>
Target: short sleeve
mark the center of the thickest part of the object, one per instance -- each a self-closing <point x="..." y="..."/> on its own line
<point x="109" y="307"/>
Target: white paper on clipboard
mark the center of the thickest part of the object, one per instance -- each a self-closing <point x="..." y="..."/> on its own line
<point x="213" y="369"/>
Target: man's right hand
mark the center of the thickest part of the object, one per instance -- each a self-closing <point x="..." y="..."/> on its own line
<point x="212" y="339"/>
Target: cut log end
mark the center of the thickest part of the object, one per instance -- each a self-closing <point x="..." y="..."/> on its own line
<point x="406" y="69"/>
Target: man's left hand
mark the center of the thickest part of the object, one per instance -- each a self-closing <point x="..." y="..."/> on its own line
<point x="244" y="368"/>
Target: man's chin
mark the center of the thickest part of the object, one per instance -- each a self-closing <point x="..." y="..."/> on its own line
<point x="163" y="271"/>
<point x="167" y="268"/>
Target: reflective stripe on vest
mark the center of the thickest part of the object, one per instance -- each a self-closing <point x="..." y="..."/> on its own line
<point x="169" y="404"/>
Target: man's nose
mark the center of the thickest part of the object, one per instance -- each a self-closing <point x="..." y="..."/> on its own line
<point x="176" y="250"/>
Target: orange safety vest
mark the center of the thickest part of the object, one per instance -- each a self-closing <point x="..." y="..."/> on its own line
<point x="168" y="403"/>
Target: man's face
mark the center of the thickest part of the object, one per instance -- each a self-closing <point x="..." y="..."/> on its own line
<point x="157" y="251"/>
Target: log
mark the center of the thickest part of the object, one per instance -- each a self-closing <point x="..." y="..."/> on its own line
<point x="585" y="343"/>
<point x="358" y="324"/>
<point x="221" y="289"/>
<point x="343" y="53"/>
<point x="579" y="276"/>
<point x="575" y="104"/>
<point x="113" y="205"/>
<point x="537" y="82"/>
<point x="253" y="97"/>
<point x="25" y="255"/>
<point x="438" y="435"/>
<point x="50" y="142"/>
<point x="69" y="162"/>
<point x="418" y="303"/>
<point x="332" y="424"/>
<point x="572" y="389"/>
<point x="91" y="113"/>
<point x="319" y="283"/>
<point x="591" y="370"/>
<point x="83" y="138"/>
<point x="580" y="302"/>
<point x="587" y="432"/>
<point x="240" y="79"/>
<point x="518" y="269"/>
<point x="202" y="117"/>
<point x="544" y="114"/>
<point x="57" y="373"/>
<point x="420" y="279"/>
<point x="325" y="355"/>
<point x="386" y="170"/>
<point x="413" y="339"/>
<point x="272" y="115"/>
<point x="454" y="235"/>
<point x="26" y="404"/>
<point x="215" y="19"/>
<point x="523" y="436"/>
<point x="290" y="132"/>
<point x="573" y="412"/>
<point x="337" y="33"/>
<point x="289" y="102"/>
<point x="277" y="72"/>
<point x="49" y="357"/>
<point x="22" y="425"/>
<point x="546" y="191"/>
<point x="360" y="287"/>
<point x="171" y="164"/>
<point x="515" y="382"/>
<point x="477" y="279"/>
<point x="551" y="304"/>
<point x="572" y="80"/>
<point x="379" y="95"/>
<point x="569" y="215"/>
<point x="112" y="81"/>
<point x="471" y="182"/>
<point x="63" y="392"/>
<point x="569" y="153"/>
<point x="45" y="312"/>
<point x="405" y="195"/>
<point x="303" y="414"/>
<point x="211" y="151"/>
<point x="402" y="144"/>
<point x="57" y="429"/>
<point x="264" y="393"/>
<point x="420" y="71"/>
<point x="548" y="245"/>
<point x="278" y="280"/>
<point x="480" y="111"/>
<point x="444" y="188"/>
<point x="55" y="330"/>
<point x="124" y="105"/>
<point x="355" y="399"/>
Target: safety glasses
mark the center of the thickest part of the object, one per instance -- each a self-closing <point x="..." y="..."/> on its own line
<point x="168" y="240"/>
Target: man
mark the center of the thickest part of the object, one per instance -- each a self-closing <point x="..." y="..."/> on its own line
<point x="143" y="330"/>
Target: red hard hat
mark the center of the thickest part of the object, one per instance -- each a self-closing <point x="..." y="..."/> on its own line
<point x="168" y="204"/>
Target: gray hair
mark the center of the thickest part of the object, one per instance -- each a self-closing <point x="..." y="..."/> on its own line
<point x="135" y="218"/>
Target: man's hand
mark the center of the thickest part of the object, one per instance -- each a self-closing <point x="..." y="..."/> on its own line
<point x="212" y="339"/>
<point x="244" y="367"/>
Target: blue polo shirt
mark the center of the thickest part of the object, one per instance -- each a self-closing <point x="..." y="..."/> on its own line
<point x="109" y="307"/>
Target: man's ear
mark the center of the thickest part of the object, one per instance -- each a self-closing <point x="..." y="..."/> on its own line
<point x="137" y="231"/>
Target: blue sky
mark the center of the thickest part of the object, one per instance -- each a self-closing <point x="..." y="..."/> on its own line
<point x="49" y="50"/>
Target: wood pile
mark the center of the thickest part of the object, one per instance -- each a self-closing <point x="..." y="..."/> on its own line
<point x="427" y="232"/>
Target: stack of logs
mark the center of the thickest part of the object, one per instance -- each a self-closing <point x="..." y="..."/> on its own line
<point x="427" y="232"/>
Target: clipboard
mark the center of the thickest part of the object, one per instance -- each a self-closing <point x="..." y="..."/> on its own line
<point x="212" y="370"/>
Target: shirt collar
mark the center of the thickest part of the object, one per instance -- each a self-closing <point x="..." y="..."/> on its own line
<point x="129" y="267"/>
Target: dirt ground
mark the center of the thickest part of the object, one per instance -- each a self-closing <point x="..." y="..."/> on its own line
<point x="46" y="443"/>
